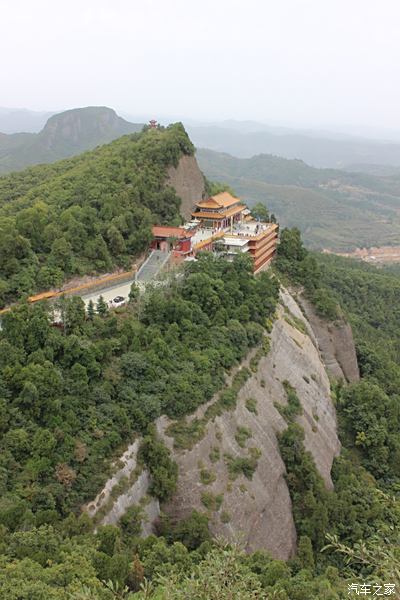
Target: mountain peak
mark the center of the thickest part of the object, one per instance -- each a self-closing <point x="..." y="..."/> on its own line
<point x="64" y="134"/>
<point x="84" y="128"/>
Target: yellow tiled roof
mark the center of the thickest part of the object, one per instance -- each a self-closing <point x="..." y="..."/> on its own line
<point x="221" y="215"/>
<point x="225" y="199"/>
<point x="221" y="200"/>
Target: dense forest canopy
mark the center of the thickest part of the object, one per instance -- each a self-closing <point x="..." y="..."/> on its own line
<point x="69" y="398"/>
<point x="88" y="214"/>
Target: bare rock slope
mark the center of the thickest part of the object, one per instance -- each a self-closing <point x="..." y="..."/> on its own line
<point x="335" y="342"/>
<point x="258" y="510"/>
<point x="188" y="181"/>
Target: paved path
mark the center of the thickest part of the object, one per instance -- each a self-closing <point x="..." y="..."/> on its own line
<point x="122" y="289"/>
<point x="149" y="270"/>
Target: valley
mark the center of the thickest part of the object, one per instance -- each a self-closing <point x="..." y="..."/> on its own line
<point x="334" y="210"/>
<point x="382" y="255"/>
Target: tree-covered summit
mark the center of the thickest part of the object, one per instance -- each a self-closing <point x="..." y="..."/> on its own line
<point x="87" y="214"/>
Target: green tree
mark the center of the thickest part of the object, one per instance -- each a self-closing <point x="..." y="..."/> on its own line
<point x="134" y="292"/>
<point x="91" y="312"/>
<point x="193" y="530"/>
<point x="260" y="212"/>
<point x="102" y="308"/>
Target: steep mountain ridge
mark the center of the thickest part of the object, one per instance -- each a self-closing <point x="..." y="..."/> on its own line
<point x="188" y="182"/>
<point x="65" y="134"/>
<point x="256" y="509"/>
<point x="259" y="508"/>
<point x="335" y="342"/>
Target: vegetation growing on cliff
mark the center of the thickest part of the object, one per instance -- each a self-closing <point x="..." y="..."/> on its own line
<point x="358" y="507"/>
<point x="70" y="397"/>
<point x="370" y="410"/>
<point x="301" y="268"/>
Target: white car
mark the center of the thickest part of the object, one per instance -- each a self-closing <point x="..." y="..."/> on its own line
<point x="117" y="301"/>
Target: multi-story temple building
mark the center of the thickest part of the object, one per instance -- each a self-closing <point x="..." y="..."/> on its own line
<point x="224" y="222"/>
<point x="220" y="211"/>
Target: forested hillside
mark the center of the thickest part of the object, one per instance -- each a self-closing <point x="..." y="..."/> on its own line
<point x="370" y="411"/>
<point x="333" y="209"/>
<point x="88" y="214"/>
<point x="71" y="398"/>
<point x="64" y="134"/>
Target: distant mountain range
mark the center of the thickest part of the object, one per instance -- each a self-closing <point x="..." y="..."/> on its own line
<point x="64" y="135"/>
<point x="246" y="139"/>
<point x="15" y="120"/>
<point x="243" y="139"/>
<point x="334" y="209"/>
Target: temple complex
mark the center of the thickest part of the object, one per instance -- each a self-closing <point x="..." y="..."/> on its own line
<point x="220" y="223"/>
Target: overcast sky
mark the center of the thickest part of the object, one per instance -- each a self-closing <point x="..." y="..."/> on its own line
<point x="308" y="63"/>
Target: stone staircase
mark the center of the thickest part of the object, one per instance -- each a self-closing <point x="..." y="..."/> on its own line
<point x="152" y="266"/>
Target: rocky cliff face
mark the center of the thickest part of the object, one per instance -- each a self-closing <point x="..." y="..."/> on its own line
<point x="188" y="181"/>
<point x="335" y="342"/>
<point x="132" y="483"/>
<point x="259" y="510"/>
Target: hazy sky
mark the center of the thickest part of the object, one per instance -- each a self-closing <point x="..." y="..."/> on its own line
<point x="320" y="63"/>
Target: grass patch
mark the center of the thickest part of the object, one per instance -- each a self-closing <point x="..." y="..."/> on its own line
<point x="242" y="435"/>
<point x="251" y="405"/>
<point x="297" y="343"/>
<point x="293" y="407"/>
<point x="212" y="502"/>
<point x="185" y="434"/>
<point x="242" y="465"/>
<point x="256" y="359"/>
<point x="295" y="322"/>
<point x="207" y="477"/>
<point x="225" y="517"/>
<point x="215" y="454"/>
